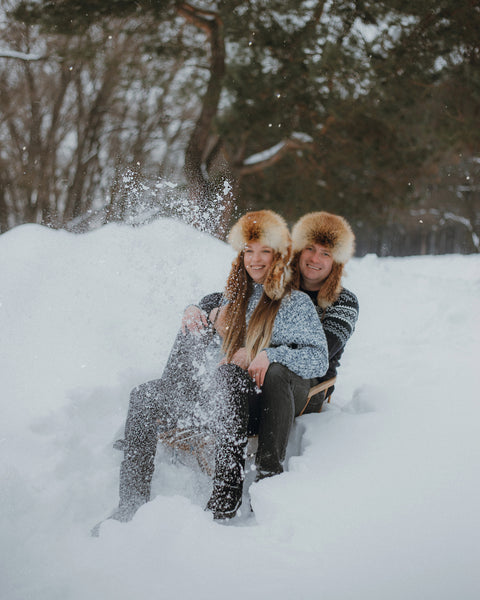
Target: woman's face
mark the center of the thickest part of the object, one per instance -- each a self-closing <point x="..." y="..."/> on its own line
<point x="257" y="260"/>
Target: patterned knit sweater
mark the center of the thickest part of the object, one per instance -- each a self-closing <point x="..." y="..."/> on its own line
<point x="338" y="321"/>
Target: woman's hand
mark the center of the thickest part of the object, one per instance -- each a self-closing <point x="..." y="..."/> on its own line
<point x="258" y="368"/>
<point x="194" y="319"/>
<point x="240" y="358"/>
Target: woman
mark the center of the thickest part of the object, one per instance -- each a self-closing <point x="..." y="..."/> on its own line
<point x="265" y="326"/>
<point x="261" y="322"/>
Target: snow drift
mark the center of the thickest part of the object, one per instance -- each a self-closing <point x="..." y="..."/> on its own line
<point x="380" y="499"/>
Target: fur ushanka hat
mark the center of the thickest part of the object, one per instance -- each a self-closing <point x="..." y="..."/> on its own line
<point x="270" y="229"/>
<point x="333" y="232"/>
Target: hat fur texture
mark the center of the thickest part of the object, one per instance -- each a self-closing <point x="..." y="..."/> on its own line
<point x="262" y="226"/>
<point x="270" y="229"/>
<point x="333" y="232"/>
<point x="328" y="230"/>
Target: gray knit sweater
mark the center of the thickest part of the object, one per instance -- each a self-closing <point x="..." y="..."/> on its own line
<point x="298" y="340"/>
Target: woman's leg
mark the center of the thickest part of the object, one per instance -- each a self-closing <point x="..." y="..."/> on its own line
<point x="158" y="405"/>
<point x="186" y="365"/>
<point x="136" y="470"/>
<point x="233" y="390"/>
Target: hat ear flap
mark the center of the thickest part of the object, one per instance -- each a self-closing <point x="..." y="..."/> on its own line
<point x="237" y="279"/>
<point x="279" y="277"/>
<point x="331" y="287"/>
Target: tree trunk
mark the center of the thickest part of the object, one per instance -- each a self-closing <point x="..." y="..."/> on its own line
<point x="200" y="189"/>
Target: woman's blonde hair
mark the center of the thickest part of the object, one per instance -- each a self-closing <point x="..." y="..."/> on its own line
<point x="263" y="226"/>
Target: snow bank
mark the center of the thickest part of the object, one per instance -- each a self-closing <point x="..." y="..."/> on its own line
<point x="380" y="497"/>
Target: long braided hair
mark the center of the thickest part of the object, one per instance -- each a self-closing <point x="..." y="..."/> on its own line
<point x="269" y="228"/>
<point x="238" y="290"/>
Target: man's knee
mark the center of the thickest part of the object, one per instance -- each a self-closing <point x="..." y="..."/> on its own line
<point x="276" y="375"/>
<point x="277" y="389"/>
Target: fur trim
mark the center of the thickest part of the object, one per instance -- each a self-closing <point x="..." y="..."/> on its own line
<point x="335" y="233"/>
<point x="279" y="277"/>
<point x="263" y="226"/>
<point x="328" y="230"/>
<point x="270" y="229"/>
<point x="331" y="287"/>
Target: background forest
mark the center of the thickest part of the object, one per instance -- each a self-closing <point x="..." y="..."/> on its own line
<point x="127" y="110"/>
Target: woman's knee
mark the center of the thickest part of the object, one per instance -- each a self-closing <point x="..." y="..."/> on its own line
<point x="145" y="394"/>
<point x="234" y="378"/>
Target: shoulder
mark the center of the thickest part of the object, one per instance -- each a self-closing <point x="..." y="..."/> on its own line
<point x="297" y="297"/>
<point x="344" y="309"/>
<point x="297" y="300"/>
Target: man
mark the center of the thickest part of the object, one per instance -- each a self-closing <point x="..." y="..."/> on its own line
<point x="322" y="244"/>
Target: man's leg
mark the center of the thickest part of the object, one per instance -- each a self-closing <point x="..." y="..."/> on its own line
<point x="284" y="395"/>
<point x="233" y="388"/>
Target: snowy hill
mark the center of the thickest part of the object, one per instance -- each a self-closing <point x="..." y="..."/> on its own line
<point x="380" y="500"/>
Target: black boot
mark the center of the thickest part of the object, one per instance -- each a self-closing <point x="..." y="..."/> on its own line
<point x="225" y="500"/>
<point x="226" y="496"/>
<point x="262" y="474"/>
<point x="232" y="390"/>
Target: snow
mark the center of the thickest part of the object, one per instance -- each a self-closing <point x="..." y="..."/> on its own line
<point x="20" y="55"/>
<point x="265" y="154"/>
<point x="380" y="497"/>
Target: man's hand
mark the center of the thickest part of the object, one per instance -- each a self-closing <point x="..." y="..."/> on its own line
<point x="194" y="319"/>
<point x="258" y="367"/>
<point x="218" y="318"/>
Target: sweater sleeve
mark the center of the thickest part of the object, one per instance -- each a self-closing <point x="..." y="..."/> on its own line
<point x="339" y="321"/>
<point x="298" y="340"/>
<point x="210" y="301"/>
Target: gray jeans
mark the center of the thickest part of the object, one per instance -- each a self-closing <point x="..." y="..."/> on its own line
<point x="161" y="404"/>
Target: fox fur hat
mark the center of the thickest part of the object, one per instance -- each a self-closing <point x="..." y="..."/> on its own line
<point x="270" y="229"/>
<point x="333" y="232"/>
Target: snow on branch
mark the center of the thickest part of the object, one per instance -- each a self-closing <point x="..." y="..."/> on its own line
<point x="20" y="55"/>
<point x="268" y="157"/>
<point x="265" y="154"/>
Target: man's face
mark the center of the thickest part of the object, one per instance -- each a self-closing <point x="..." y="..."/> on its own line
<point x="315" y="266"/>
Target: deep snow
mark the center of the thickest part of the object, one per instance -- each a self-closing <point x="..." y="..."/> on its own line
<point x="381" y="495"/>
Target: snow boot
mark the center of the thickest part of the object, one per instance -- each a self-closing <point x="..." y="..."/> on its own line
<point x="225" y="500"/>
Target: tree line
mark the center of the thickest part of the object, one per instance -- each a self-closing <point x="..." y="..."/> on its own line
<point x="125" y="110"/>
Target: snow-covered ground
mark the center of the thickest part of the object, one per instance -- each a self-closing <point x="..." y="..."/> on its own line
<point x="381" y="497"/>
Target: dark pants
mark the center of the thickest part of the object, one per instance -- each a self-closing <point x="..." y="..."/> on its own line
<point x="284" y="397"/>
<point x="241" y="411"/>
<point x="234" y="409"/>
